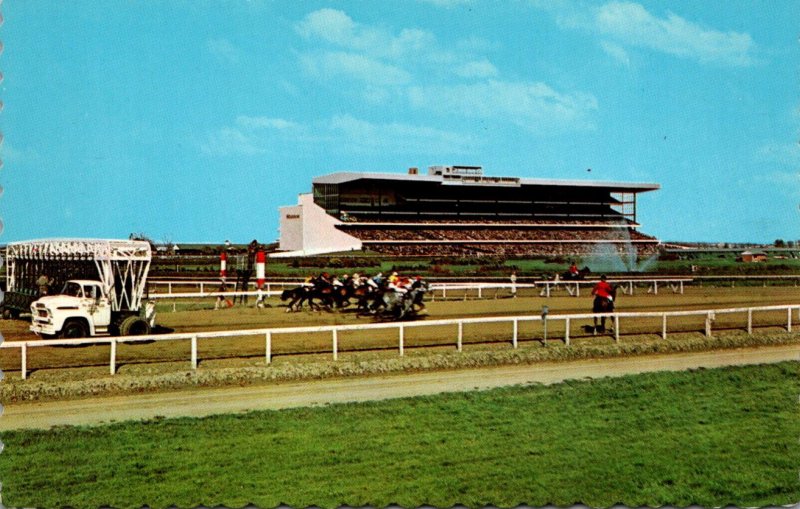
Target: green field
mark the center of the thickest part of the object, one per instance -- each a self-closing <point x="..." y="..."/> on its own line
<point x="708" y="437"/>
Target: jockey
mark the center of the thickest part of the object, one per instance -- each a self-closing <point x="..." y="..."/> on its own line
<point x="573" y="270"/>
<point x="396" y="284"/>
<point x="336" y="282"/>
<point x="376" y="280"/>
<point x="602" y="290"/>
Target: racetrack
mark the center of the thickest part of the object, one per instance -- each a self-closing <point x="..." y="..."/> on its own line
<point x="202" y="402"/>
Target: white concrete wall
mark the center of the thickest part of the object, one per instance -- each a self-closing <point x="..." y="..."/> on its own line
<point x="306" y="229"/>
<point x="291" y="228"/>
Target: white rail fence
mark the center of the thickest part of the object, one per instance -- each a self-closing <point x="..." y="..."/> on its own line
<point x="441" y="290"/>
<point x="270" y="333"/>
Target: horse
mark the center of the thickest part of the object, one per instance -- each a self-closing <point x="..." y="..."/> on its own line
<point x="297" y="296"/>
<point x="365" y="295"/>
<point x="331" y="296"/>
<point x="399" y="305"/>
<point x="603" y="306"/>
<point x="580" y="275"/>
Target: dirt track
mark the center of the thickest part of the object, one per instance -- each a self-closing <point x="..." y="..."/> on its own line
<point x="201" y="402"/>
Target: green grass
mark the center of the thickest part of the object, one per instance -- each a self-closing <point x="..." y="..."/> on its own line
<point x="708" y="437"/>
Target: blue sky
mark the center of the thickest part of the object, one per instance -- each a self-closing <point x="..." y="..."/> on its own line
<point x="194" y="121"/>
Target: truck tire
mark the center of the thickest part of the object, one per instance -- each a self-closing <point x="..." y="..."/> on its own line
<point x="7" y="315"/>
<point x="74" y="329"/>
<point x="134" y="326"/>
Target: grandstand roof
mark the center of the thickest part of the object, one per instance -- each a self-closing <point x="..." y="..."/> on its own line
<point x="342" y="177"/>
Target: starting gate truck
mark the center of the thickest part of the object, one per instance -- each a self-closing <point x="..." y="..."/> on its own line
<point x="100" y="286"/>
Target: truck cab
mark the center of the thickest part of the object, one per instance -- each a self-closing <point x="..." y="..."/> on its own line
<point x="81" y="309"/>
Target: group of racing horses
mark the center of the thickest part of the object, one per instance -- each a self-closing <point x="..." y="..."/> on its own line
<point x="384" y="297"/>
<point x="398" y="298"/>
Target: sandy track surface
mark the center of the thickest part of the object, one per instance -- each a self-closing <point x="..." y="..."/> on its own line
<point x="202" y="402"/>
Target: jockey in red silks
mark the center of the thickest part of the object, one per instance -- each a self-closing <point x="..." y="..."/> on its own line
<point x="603" y="300"/>
<point x="603" y="289"/>
<point x="573" y="270"/>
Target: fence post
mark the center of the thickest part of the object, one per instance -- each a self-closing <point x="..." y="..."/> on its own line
<point x="268" y="340"/>
<point x="566" y="332"/>
<point x="749" y="321"/>
<point x="708" y="324"/>
<point x="24" y="368"/>
<point x="616" y="328"/>
<point x="113" y="362"/>
<point x="402" y="338"/>
<point x="514" y="339"/>
<point x="788" y="319"/>
<point x="194" y="351"/>
<point x="335" y="344"/>
<point x="460" y="334"/>
<point x="664" y="326"/>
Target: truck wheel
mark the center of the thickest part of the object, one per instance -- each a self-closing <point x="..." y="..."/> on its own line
<point x="74" y="329"/>
<point x="7" y="315"/>
<point x="134" y="326"/>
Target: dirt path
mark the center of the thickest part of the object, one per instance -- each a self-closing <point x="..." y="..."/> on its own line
<point x="201" y="402"/>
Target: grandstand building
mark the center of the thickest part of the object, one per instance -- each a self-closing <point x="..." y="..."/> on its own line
<point x="459" y="211"/>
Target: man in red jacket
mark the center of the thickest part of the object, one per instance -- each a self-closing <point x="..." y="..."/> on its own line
<point x="604" y="295"/>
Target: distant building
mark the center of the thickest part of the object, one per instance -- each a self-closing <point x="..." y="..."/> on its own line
<point x="752" y="256"/>
<point x="459" y="211"/>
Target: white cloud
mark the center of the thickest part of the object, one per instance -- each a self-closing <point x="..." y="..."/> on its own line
<point x="534" y="106"/>
<point x="337" y="28"/>
<point x="376" y="43"/>
<point x="223" y="50"/>
<point x="265" y="122"/>
<point x="448" y="4"/>
<point x="617" y="52"/>
<point x="328" y="24"/>
<point x="11" y="154"/>
<point x="362" y="135"/>
<point x="631" y="23"/>
<point x="339" y="64"/>
<point x="231" y="141"/>
<point x="254" y="135"/>
<point x="477" y="69"/>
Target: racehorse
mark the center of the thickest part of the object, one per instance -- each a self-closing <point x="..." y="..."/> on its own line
<point x="297" y="296"/>
<point x="603" y="305"/>
<point x="580" y="275"/>
<point x="331" y="296"/>
<point x="365" y="295"/>
<point x="403" y="305"/>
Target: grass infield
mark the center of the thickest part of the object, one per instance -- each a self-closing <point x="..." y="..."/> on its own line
<point x="710" y="437"/>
